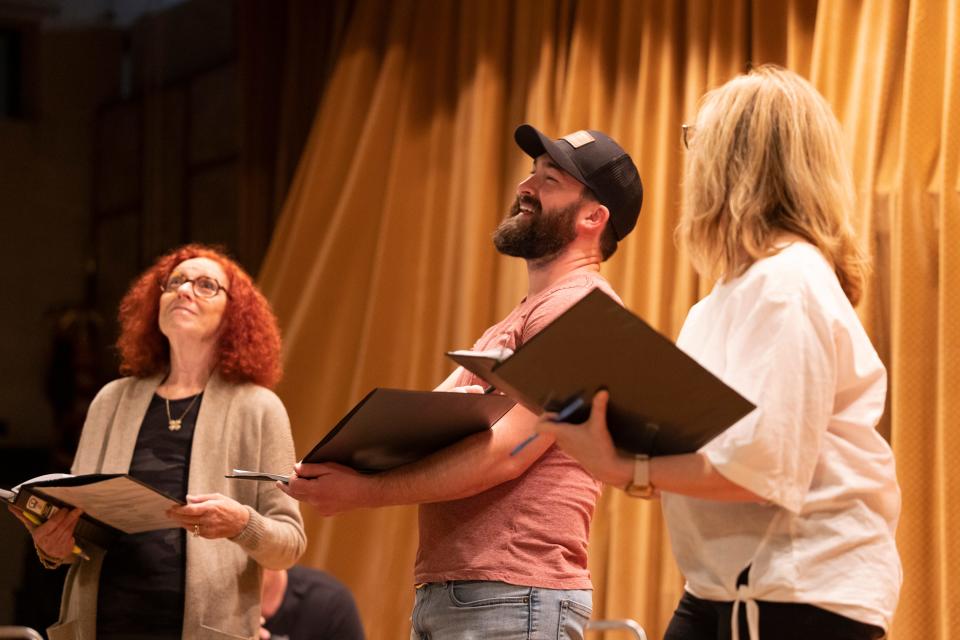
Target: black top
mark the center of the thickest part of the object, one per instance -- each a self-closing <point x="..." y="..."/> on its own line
<point x="142" y="580"/>
<point x="315" y="605"/>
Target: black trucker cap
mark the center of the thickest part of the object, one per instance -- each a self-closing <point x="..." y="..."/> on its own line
<point x="594" y="159"/>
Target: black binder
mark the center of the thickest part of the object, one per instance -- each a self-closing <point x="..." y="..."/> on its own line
<point x="392" y="427"/>
<point x="113" y="504"/>
<point x="661" y="400"/>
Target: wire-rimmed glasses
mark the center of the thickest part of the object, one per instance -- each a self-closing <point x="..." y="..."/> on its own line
<point x="203" y="286"/>
<point x="686" y="134"/>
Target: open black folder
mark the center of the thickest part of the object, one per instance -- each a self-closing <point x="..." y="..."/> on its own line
<point x="661" y="400"/>
<point x="391" y="427"/>
<point x="111" y="503"/>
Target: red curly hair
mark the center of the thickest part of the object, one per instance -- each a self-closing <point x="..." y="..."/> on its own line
<point x="249" y="343"/>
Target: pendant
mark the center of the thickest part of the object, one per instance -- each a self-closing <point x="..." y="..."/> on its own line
<point x="173" y="425"/>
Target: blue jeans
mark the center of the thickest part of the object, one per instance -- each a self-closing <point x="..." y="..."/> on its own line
<point x="479" y="610"/>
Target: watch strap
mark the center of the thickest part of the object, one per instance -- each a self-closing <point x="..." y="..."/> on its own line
<point x="639" y="486"/>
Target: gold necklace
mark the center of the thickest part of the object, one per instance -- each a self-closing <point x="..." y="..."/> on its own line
<point x="174" y="425"/>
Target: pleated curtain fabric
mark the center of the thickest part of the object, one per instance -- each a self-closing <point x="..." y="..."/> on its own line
<point x="382" y="257"/>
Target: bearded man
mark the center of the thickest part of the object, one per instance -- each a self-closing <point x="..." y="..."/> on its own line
<point x="503" y="538"/>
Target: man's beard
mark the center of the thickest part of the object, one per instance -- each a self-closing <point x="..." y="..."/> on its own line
<point x="536" y="236"/>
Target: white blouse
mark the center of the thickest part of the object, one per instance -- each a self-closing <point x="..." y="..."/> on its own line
<point x="785" y="336"/>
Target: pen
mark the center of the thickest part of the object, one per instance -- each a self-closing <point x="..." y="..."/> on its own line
<point x="77" y="551"/>
<point x="488" y="390"/>
<point x="572" y="407"/>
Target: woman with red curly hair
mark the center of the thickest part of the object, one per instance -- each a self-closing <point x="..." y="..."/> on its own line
<point x="201" y="348"/>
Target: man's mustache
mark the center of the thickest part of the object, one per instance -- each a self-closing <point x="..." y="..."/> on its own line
<point x="530" y="201"/>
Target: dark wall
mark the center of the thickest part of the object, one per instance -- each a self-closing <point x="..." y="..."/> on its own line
<point x="128" y="145"/>
<point x="116" y="145"/>
<point x="45" y="193"/>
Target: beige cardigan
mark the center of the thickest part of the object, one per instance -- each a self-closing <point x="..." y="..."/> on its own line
<point x="239" y="426"/>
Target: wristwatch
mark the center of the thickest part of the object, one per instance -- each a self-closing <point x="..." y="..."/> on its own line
<point x="640" y="486"/>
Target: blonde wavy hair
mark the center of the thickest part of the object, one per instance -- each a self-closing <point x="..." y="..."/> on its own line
<point x="766" y="158"/>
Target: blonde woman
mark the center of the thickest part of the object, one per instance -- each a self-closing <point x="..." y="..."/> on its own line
<point x="783" y="525"/>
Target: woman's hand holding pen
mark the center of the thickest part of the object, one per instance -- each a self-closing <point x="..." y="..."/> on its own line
<point x="55" y="536"/>
<point x="590" y="443"/>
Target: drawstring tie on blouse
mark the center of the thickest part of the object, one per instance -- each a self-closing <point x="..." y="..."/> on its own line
<point x="744" y="595"/>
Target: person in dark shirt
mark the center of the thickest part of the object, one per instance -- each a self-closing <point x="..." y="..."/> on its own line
<point x="306" y="603"/>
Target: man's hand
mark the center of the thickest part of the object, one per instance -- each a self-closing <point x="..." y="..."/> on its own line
<point x="589" y="443"/>
<point x="211" y="515"/>
<point x="329" y="488"/>
<point x="469" y="388"/>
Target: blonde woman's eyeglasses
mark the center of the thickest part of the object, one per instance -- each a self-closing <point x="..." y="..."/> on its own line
<point x="686" y="134"/>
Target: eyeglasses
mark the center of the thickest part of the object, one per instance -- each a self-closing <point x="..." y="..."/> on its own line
<point x="686" y="134"/>
<point x="203" y="286"/>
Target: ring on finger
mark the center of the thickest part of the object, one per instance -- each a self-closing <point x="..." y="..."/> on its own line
<point x="196" y="530"/>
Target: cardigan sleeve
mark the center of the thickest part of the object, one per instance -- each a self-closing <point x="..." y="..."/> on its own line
<point x="274" y="534"/>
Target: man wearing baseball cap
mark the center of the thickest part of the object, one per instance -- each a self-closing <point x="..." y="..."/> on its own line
<point x="503" y="532"/>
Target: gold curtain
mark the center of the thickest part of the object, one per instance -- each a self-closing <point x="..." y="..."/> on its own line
<point x="287" y="50"/>
<point x="382" y="257"/>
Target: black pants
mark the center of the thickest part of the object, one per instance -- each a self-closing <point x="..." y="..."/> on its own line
<point x="697" y="619"/>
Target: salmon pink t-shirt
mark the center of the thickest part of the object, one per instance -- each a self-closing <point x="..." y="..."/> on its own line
<point x="532" y="530"/>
